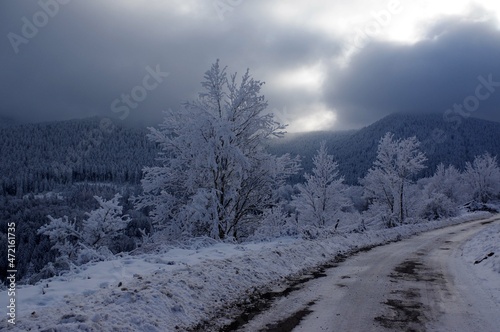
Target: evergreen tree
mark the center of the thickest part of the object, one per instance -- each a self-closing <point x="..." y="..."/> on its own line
<point x="323" y="194"/>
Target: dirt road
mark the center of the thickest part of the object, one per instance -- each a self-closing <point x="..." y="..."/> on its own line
<point x="419" y="284"/>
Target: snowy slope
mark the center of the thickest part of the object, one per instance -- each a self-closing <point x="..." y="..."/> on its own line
<point x="482" y="254"/>
<point x="483" y="250"/>
<point x="174" y="289"/>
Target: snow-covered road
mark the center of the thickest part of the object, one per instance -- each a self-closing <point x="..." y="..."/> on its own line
<point x="419" y="284"/>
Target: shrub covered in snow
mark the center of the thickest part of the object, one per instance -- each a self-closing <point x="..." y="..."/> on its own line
<point x="91" y="239"/>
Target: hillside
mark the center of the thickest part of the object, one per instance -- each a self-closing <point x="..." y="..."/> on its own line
<point x="39" y="157"/>
<point x="355" y="151"/>
<point x="68" y="163"/>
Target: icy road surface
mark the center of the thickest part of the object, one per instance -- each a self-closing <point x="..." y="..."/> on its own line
<point x="420" y="284"/>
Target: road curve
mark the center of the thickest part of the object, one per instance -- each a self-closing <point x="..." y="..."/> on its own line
<point x="418" y="284"/>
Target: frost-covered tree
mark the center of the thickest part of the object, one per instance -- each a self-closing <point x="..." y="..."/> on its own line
<point x="398" y="160"/>
<point x="214" y="174"/>
<point x="483" y="177"/>
<point x="97" y="231"/>
<point x="323" y="195"/>
<point x="448" y="181"/>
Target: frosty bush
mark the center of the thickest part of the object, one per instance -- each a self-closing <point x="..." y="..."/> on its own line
<point x="93" y="238"/>
<point x="483" y="176"/>
<point x="104" y="224"/>
<point x="438" y="206"/>
<point x="442" y="194"/>
<point x="273" y="224"/>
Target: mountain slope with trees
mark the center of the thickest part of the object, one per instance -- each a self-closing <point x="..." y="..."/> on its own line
<point x="31" y="153"/>
<point x="441" y="141"/>
<point x="41" y="157"/>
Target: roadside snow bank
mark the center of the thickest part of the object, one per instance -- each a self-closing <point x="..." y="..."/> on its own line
<point x="176" y="289"/>
<point x="483" y="250"/>
<point x="482" y="255"/>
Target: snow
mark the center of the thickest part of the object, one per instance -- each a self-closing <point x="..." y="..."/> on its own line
<point x="477" y="251"/>
<point x="176" y="288"/>
<point x="482" y="254"/>
<point x="48" y="195"/>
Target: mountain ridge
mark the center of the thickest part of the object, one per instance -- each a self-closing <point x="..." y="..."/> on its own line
<point x="442" y="142"/>
<point x="30" y="151"/>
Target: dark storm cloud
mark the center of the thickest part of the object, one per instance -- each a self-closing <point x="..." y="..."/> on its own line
<point x="432" y="75"/>
<point x="89" y="55"/>
<point x="85" y="58"/>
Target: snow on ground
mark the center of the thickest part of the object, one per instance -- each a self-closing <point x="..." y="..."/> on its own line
<point x="176" y="288"/>
<point x="482" y="254"/>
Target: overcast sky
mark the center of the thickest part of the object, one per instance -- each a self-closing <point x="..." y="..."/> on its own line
<point x="327" y="64"/>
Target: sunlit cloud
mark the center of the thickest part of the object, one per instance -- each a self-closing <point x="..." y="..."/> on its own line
<point x="309" y="78"/>
<point x="318" y="118"/>
<point x="404" y="22"/>
<point x="190" y="9"/>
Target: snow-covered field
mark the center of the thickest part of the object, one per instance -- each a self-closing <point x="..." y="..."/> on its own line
<point x="174" y="289"/>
